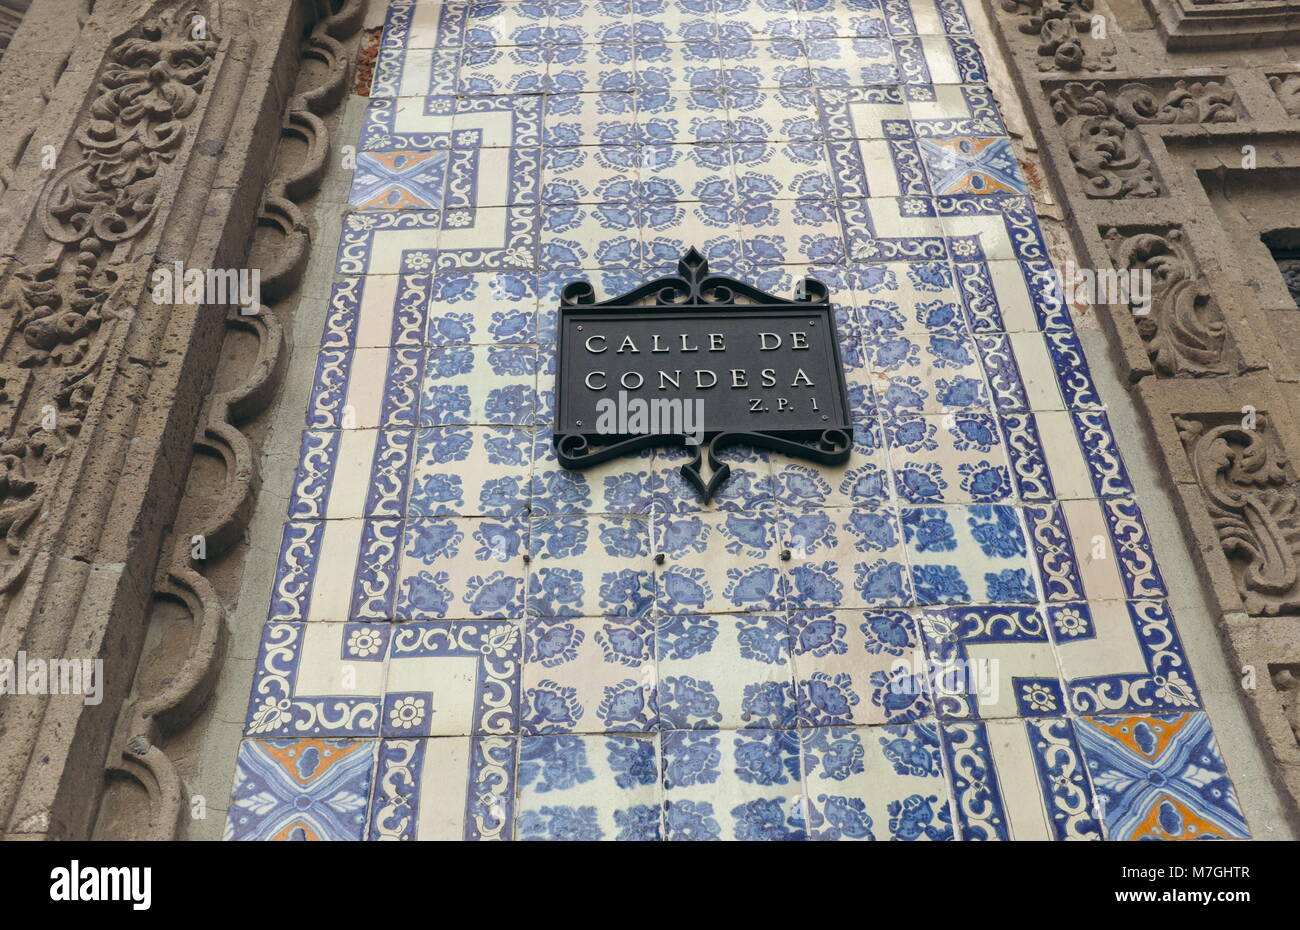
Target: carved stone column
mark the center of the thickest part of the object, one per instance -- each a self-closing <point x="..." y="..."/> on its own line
<point x="153" y="149"/>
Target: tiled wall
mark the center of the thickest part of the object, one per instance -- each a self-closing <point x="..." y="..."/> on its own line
<point x="466" y="640"/>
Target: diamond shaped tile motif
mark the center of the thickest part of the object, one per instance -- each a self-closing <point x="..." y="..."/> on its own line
<point x="956" y="630"/>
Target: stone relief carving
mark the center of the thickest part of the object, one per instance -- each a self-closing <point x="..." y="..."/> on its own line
<point x="1098" y="125"/>
<point x="1183" y="330"/>
<point x="221" y="518"/>
<point x="1286" y="679"/>
<point x="1290" y="269"/>
<point x="11" y="16"/>
<point x="1287" y="88"/>
<point x="90" y="212"/>
<point x="1059" y="26"/>
<point x="1245" y="485"/>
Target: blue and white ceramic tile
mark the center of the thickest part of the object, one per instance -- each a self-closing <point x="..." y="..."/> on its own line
<point x="733" y="785"/>
<point x="467" y="641"/>
<point x="727" y="671"/>
<point x="844" y="557"/>
<point x="875" y="783"/>
<point x="858" y="667"/>
<point x="362" y="589"/>
<point x="1122" y="657"/>
<point x="444" y="788"/>
<point x="462" y="568"/>
<point x="1020" y="780"/>
<point x="991" y="662"/>
<point x="589" y="566"/>
<point x="470" y="471"/>
<point x="718" y="562"/>
<point x="589" y="675"/>
<point x="951" y="458"/>
<point x="452" y="679"/>
<point x="589" y="788"/>
<point x="969" y="555"/>
<point x="862" y="480"/>
<point x="318" y="679"/>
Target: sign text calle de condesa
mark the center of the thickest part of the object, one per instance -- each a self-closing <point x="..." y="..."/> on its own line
<point x="699" y="359"/>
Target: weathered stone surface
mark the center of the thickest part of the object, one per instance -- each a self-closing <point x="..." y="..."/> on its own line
<point x="1182" y="165"/>
<point x="154" y="144"/>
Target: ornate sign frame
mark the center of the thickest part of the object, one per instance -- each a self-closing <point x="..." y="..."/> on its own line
<point x="823" y="433"/>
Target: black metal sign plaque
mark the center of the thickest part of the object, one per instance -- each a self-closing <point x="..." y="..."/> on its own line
<point x="704" y="360"/>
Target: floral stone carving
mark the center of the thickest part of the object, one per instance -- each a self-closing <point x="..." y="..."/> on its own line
<point x="1183" y="330"/>
<point x="90" y="211"/>
<point x="1257" y="517"/>
<point x="1098" y="124"/>
<point x="1060" y="26"/>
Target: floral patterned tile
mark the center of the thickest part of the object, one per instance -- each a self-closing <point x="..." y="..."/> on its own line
<point x="777" y="232"/>
<point x="626" y="485"/>
<point x="301" y="789"/>
<point x="844" y="557"/>
<point x="853" y="62"/>
<point x="724" y="672"/>
<point x="589" y="566"/>
<point x="795" y="170"/>
<point x="589" y="675"/>
<point x="732" y="785"/>
<point x="479" y="385"/>
<point x="907" y="298"/>
<point x="470" y="471"/>
<point x="766" y="64"/>
<point x="590" y="174"/>
<point x="462" y="568"/>
<point x="952" y="458"/>
<point x="862" y="480"/>
<point x="774" y="115"/>
<point x="858" y="667"/>
<point x="482" y="308"/>
<point x="934" y="373"/>
<point x="969" y="555"/>
<point x="589" y="788"/>
<point x="875" y="783"/>
<point x="717" y="562"/>
<point x="822" y="19"/>
<point x="1160" y="778"/>
<point x="698" y="171"/>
